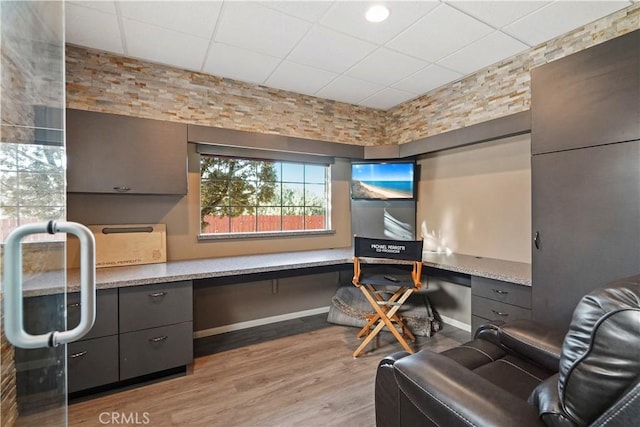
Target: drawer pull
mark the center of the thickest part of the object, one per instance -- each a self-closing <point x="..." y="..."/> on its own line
<point x="78" y="354"/>
<point x="122" y="188"/>
<point x="158" y="339"/>
<point x="157" y="294"/>
<point x="500" y="313"/>
<point x="73" y="305"/>
<point x="498" y="291"/>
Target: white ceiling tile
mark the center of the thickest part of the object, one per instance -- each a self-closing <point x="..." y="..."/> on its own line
<point x="329" y="50"/>
<point x="498" y="13"/>
<point x="105" y="6"/>
<point x="299" y="78"/>
<point x="387" y="98"/>
<point x="427" y="79"/>
<point x="386" y="67"/>
<point x="240" y="64"/>
<point x="168" y="47"/>
<point x="307" y="10"/>
<point x="486" y="51"/>
<point x="350" y="90"/>
<point x="92" y="28"/>
<point x="559" y="18"/>
<point x="197" y="18"/>
<point x="439" y="33"/>
<point x="260" y="29"/>
<point x="348" y="17"/>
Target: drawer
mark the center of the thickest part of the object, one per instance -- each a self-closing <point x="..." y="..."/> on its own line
<point x="92" y="363"/>
<point x="143" y="307"/>
<point x="106" y="313"/>
<point x="156" y="349"/>
<point x="495" y="310"/>
<point x="506" y="292"/>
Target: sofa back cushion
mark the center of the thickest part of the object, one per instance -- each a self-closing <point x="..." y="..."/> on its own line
<point x="601" y="352"/>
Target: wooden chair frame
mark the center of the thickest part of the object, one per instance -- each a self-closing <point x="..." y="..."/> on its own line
<point x="386" y="309"/>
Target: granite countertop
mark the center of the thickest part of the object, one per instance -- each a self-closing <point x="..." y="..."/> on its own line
<point x="116" y="277"/>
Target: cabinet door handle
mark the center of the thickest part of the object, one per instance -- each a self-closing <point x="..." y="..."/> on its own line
<point x="498" y="291"/>
<point x="122" y="188"/>
<point x="157" y="294"/>
<point x="536" y="240"/>
<point x="73" y="305"/>
<point x="500" y="313"/>
<point x="78" y="354"/>
<point x="158" y="339"/>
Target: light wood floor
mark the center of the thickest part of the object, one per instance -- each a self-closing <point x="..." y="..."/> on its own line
<point x="308" y="379"/>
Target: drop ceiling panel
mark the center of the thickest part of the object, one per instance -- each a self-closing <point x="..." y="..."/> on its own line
<point x="348" y="89"/>
<point x="195" y="18"/>
<point x="484" y="52"/>
<point x="239" y="64"/>
<point x="427" y="79"/>
<point x="440" y="33"/>
<point x="559" y="18"/>
<point x="299" y="78"/>
<point x="308" y="10"/>
<point x="348" y="17"/>
<point x="254" y="27"/>
<point x="105" y="6"/>
<point x="387" y="98"/>
<point x="169" y="47"/>
<point x="498" y="13"/>
<point x="385" y="66"/>
<point x="329" y="50"/>
<point x="93" y="28"/>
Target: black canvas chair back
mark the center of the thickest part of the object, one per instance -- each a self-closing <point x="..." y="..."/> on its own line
<point x="387" y="285"/>
<point x="408" y="250"/>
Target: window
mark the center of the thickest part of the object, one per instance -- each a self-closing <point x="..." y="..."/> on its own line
<point x="239" y="195"/>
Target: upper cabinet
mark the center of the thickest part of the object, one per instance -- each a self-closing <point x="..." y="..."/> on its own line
<point x="108" y="153"/>
<point x="588" y="98"/>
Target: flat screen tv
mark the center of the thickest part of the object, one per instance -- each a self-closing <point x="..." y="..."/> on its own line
<point x="383" y="181"/>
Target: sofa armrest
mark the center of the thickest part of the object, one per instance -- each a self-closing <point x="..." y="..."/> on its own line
<point x="386" y="391"/>
<point x="450" y="395"/>
<point x="533" y="341"/>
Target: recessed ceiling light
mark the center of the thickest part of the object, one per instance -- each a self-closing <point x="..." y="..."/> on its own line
<point x="377" y="13"/>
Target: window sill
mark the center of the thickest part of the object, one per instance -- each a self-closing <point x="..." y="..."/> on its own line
<point x="262" y="235"/>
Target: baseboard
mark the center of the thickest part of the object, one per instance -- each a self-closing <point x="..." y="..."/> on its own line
<point x="259" y="322"/>
<point x="458" y="324"/>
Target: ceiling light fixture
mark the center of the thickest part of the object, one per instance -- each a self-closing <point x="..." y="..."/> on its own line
<point x="377" y="13"/>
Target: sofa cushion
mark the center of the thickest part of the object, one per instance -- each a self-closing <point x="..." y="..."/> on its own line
<point x="475" y="353"/>
<point x="601" y="352"/>
<point x="514" y="375"/>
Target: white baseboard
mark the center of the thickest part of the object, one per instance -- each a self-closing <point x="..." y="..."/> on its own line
<point x="458" y="324"/>
<point x="259" y="322"/>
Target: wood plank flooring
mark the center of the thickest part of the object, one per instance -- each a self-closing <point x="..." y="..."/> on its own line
<point x="307" y="379"/>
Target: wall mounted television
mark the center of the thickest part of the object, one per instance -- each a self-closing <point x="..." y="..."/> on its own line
<point x="383" y="180"/>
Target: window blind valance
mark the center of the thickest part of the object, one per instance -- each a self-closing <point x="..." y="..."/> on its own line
<point x="259" y="154"/>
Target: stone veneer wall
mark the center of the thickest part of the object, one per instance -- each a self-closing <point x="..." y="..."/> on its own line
<point x="500" y="89"/>
<point x="99" y="81"/>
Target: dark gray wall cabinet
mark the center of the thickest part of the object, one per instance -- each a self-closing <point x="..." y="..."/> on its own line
<point x="588" y="98"/>
<point x="109" y="153"/>
<point x="585" y="175"/>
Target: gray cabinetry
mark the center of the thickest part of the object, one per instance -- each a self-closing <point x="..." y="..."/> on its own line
<point x="108" y="153"/>
<point x="497" y="300"/>
<point x="588" y="98"/>
<point x="156" y="328"/>
<point x="586" y="213"/>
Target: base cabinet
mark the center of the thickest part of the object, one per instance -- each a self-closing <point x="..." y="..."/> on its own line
<point x="493" y="300"/>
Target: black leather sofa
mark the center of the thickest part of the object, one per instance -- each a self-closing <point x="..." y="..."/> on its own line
<point x="522" y="374"/>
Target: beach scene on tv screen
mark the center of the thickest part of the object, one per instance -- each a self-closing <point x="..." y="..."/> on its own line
<point x="382" y="180"/>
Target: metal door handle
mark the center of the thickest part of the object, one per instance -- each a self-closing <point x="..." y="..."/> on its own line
<point x="500" y="313"/>
<point x="76" y="355"/>
<point x="157" y="294"/>
<point x="536" y="240"/>
<point x="122" y="188"/>
<point x="158" y="339"/>
<point x="498" y="291"/>
<point x="13" y="308"/>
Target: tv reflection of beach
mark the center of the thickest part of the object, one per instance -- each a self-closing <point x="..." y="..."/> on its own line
<point x="368" y="191"/>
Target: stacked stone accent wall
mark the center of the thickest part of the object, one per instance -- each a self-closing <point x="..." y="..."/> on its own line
<point x="98" y="81"/>
<point x="500" y="89"/>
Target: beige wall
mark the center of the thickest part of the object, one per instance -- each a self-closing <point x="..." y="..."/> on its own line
<point x="477" y="199"/>
<point x="182" y="216"/>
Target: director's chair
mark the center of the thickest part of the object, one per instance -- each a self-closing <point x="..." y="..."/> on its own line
<point x="386" y="285"/>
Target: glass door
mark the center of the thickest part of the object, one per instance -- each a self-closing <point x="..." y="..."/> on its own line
<point x="32" y="190"/>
